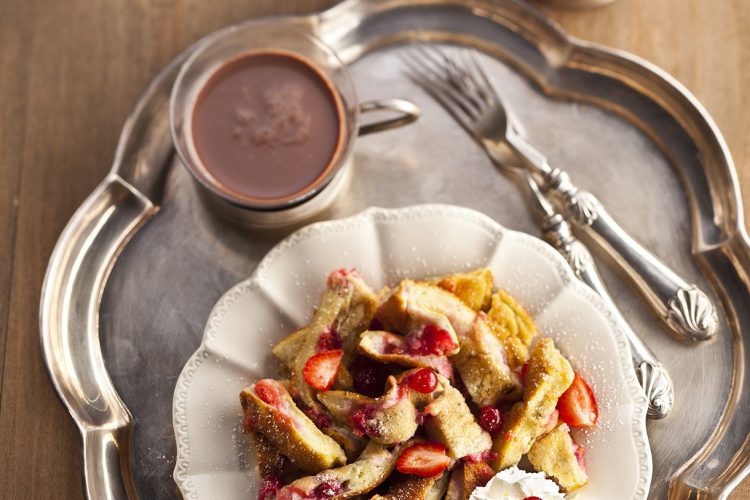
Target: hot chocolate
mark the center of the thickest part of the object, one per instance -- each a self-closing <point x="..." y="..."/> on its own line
<point x="267" y="126"/>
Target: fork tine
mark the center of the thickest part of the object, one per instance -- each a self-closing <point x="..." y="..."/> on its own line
<point x="460" y="75"/>
<point x="430" y="80"/>
<point x="451" y="75"/>
<point x="453" y="107"/>
<point x="489" y="90"/>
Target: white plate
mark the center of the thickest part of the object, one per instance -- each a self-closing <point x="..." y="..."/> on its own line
<point x="213" y="456"/>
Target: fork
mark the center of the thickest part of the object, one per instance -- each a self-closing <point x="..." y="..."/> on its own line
<point x="651" y="374"/>
<point x="462" y="87"/>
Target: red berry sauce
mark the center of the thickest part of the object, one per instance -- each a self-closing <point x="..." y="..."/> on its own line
<point x="268" y="392"/>
<point x="524" y="371"/>
<point x="431" y="340"/>
<point x="320" y="419"/>
<point x="269" y="488"/>
<point x="340" y="278"/>
<point x="483" y="456"/>
<point x="327" y="489"/>
<point x="248" y="423"/>
<point x="362" y="423"/>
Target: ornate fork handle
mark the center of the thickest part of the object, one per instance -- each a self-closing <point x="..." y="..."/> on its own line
<point x="652" y="376"/>
<point x="685" y="308"/>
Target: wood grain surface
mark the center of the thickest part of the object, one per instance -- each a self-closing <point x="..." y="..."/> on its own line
<point x="70" y="71"/>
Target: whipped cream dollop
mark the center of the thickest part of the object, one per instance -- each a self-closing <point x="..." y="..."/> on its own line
<point x="514" y="484"/>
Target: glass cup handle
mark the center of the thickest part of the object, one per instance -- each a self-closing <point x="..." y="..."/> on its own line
<point x="405" y="113"/>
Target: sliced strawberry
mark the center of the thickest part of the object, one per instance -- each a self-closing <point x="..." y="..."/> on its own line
<point x="320" y="370"/>
<point x="577" y="406"/>
<point x="423" y="459"/>
<point x="268" y="391"/>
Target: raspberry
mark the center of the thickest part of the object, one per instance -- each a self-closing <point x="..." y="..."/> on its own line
<point x="361" y="422"/>
<point x="424" y="381"/>
<point x="491" y="419"/>
<point x="329" y="340"/>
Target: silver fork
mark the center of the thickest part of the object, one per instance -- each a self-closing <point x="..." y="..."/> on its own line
<point x="651" y="374"/>
<point x="461" y="86"/>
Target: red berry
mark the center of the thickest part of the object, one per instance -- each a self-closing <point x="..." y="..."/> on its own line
<point x="329" y="340"/>
<point x="432" y="341"/>
<point x="269" y="488"/>
<point x="532" y="498"/>
<point x="340" y="278"/>
<point x="423" y="459"/>
<point x="320" y="419"/>
<point x="320" y="370"/>
<point x="424" y="381"/>
<point x="363" y="424"/>
<point x="491" y="419"/>
<point x="369" y="376"/>
<point x="327" y="489"/>
<point x="268" y="391"/>
<point x="577" y="405"/>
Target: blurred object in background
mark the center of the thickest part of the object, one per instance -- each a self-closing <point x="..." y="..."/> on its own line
<point x="576" y="4"/>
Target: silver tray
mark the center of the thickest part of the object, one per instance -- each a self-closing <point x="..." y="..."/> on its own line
<point x="139" y="266"/>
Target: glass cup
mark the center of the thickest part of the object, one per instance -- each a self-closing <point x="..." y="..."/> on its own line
<point x="275" y="36"/>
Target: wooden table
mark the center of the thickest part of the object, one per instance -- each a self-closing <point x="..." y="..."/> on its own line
<point x="71" y="70"/>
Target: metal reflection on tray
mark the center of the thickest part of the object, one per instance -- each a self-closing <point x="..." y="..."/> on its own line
<point x="150" y="316"/>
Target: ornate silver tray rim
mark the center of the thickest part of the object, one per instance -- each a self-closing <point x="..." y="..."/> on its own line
<point x="129" y="196"/>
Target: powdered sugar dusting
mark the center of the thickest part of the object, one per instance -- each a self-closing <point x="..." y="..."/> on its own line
<point x="386" y="246"/>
